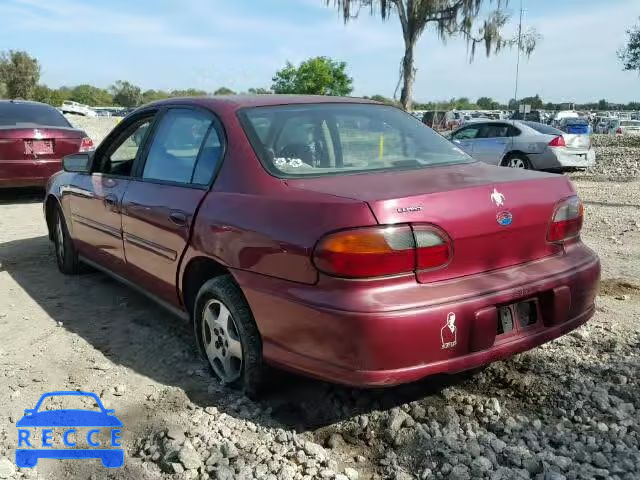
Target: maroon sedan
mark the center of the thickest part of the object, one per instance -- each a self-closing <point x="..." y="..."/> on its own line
<point x="338" y="238"/>
<point x="33" y="139"/>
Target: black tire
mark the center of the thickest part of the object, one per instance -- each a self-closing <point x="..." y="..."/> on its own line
<point x="513" y="160"/>
<point x="224" y="291"/>
<point x="65" y="251"/>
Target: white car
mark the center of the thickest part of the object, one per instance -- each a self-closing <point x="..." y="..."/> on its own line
<point x="76" y="108"/>
<point x="625" y="127"/>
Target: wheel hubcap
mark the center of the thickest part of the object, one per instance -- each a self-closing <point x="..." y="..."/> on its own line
<point x="60" y="239"/>
<point x="222" y="341"/>
<point x="517" y="163"/>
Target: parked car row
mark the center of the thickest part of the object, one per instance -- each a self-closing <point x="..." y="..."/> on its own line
<point x="526" y="145"/>
<point x="335" y="237"/>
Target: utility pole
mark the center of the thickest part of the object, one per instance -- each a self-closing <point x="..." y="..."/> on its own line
<point x="515" y="96"/>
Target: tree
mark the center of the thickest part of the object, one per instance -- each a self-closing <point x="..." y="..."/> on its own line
<point x="603" y="104"/>
<point x="190" y="92"/>
<point x="259" y="91"/>
<point x="450" y="18"/>
<point x="154" y="95"/>
<point x="44" y="94"/>
<point x="315" y="76"/>
<point x="19" y="72"/>
<point x="630" y="54"/>
<point x="224" y="91"/>
<point x="126" y="94"/>
<point x="535" y="102"/>
<point x="382" y="99"/>
<point x="90" y="95"/>
<point x="487" y="103"/>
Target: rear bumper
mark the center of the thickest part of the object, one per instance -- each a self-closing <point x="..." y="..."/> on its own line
<point x="27" y="173"/>
<point x="391" y="331"/>
<point x="566" y="158"/>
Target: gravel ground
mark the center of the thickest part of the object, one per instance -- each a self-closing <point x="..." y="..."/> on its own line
<point x="567" y="410"/>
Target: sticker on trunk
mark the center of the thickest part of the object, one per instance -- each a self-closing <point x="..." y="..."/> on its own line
<point x="504" y="218"/>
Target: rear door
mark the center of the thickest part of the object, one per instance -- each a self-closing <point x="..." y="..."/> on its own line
<point x="465" y="137"/>
<point x="492" y="143"/>
<point x="161" y="203"/>
<point x="95" y="200"/>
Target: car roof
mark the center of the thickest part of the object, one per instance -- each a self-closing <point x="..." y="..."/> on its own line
<point x="25" y="102"/>
<point x="237" y="102"/>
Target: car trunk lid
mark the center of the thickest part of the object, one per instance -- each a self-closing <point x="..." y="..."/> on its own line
<point x="577" y="141"/>
<point x="38" y="143"/>
<point x="496" y="217"/>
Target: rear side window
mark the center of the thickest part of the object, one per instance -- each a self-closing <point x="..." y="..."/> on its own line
<point x="176" y="147"/>
<point x="494" y="130"/>
<point x="542" y="128"/>
<point x="29" y="114"/>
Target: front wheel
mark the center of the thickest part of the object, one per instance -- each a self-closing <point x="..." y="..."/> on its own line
<point x="227" y="336"/>
<point x="65" y="250"/>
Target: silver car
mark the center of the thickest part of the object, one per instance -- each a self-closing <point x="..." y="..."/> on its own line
<point x="523" y="144"/>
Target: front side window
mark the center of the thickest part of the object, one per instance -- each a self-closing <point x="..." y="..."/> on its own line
<point x="467" y="133"/>
<point x="176" y="145"/>
<point x="334" y="139"/>
<point x="119" y="158"/>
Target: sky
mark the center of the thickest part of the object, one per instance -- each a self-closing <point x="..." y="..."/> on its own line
<point x="205" y="44"/>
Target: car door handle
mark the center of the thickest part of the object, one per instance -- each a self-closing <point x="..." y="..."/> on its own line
<point x="111" y="201"/>
<point x="179" y="218"/>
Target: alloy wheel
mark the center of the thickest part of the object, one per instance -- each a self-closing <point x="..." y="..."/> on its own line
<point x="517" y="163"/>
<point x="59" y="239"/>
<point x="222" y="341"/>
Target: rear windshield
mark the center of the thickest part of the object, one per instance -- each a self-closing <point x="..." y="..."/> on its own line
<point x="17" y="114"/>
<point x="576" y="121"/>
<point x="542" y="128"/>
<point x="337" y="139"/>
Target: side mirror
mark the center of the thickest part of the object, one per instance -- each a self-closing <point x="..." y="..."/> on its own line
<point x="77" y="163"/>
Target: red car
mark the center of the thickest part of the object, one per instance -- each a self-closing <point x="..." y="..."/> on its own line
<point x="334" y="237"/>
<point x="33" y="139"/>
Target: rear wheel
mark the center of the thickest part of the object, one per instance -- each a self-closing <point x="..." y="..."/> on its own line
<point x="66" y="254"/>
<point x="227" y="335"/>
<point x="517" y="161"/>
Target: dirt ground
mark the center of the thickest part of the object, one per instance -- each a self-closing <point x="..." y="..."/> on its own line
<point x="90" y="333"/>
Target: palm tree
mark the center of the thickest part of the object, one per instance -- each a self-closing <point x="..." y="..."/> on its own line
<point x="450" y="18"/>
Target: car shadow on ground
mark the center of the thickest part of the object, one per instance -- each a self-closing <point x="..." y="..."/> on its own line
<point x="133" y="332"/>
<point x="21" y="195"/>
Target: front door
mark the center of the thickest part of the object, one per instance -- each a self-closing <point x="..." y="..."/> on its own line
<point x="95" y="199"/>
<point x="464" y="138"/>
<point x="159" y="207"/>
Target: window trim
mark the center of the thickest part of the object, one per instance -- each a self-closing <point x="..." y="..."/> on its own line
<point x="216" y="123"/>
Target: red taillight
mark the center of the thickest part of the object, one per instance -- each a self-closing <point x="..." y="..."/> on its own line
<point x="567" y="220"/>
<point x="619" y="131"/>
<point x="379" y="251"/>
<point x="433" y="248"/>
<point x="86" y="144"/>
<point x="557" y="142"/>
